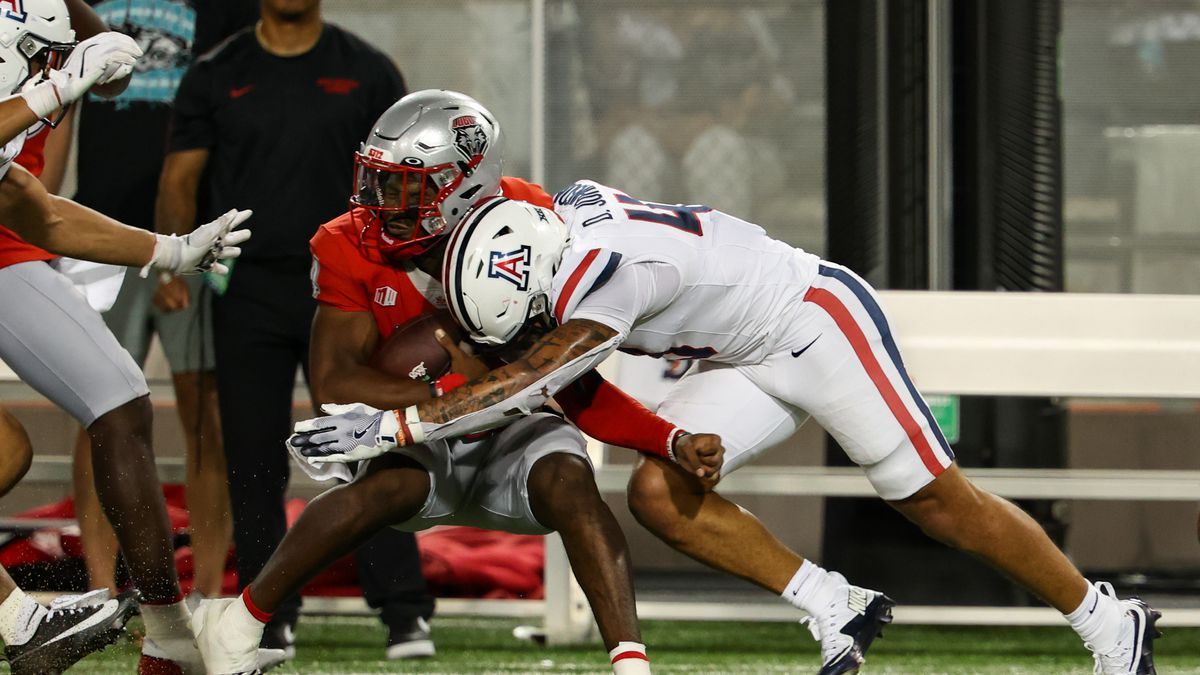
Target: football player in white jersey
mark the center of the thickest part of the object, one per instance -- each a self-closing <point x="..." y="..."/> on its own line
<point x="60" y="346"/>
<point x="779" y="335"/>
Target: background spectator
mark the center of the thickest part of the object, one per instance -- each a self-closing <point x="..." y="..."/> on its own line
<point x="275" y="114"/>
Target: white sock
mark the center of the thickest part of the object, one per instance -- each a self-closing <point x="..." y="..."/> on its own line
<point x="1097" y="619"/>
<point x="629" y="658"/>
<point x="19" y="617"/>
<point x="167" y="622"/>
<point x="811" y="589"/>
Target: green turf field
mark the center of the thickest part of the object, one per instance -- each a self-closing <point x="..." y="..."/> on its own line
<point x="355" y="645"/>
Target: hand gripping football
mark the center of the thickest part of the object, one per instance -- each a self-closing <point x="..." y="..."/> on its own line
<point x="412" y="351"/>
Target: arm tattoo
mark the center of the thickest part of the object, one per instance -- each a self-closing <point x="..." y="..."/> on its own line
<point x="555" y="349"/>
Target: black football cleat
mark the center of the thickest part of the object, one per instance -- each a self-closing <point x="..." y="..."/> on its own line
<point x="66" y="634"/>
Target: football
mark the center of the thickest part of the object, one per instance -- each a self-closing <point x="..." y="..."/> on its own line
<point x="412" y="351"/>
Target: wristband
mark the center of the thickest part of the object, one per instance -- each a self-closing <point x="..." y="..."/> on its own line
<point x="671" y="438"/>
<point x="448" y="383"/>
<point x="411" y="430"/>
<point x="42" y="99"/>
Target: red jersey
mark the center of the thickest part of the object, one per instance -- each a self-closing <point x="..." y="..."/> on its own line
<point x="14" y="249"/>
<point x="345" y="276"/>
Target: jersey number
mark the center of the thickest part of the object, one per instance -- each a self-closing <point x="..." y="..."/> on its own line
<point x="677" y="216"/>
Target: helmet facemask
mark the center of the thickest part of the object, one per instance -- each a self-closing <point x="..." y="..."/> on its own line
<point x="42" y="56"/>
<point x="401" y="204"/>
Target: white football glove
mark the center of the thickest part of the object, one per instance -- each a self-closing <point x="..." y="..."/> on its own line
<point x="113" y="54"/>
<point x="203" y="249"/>
<point x="350" y="433"/>
<point x="99" y="59"/>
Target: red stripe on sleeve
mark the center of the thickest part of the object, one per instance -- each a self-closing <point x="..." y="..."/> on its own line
<point x="850" y="328"/>
<point x="604" y="412"/>
<point x="572" y="282"/>
<point x="630" y="655"/>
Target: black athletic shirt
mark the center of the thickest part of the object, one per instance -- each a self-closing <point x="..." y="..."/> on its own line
<point x="282" y="132"/>
<point x="122" y="139"/>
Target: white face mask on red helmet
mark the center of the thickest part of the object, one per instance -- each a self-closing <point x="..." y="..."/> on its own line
<point x="32" y="30"/>
<point x="428" y="158"/>
<point x="499" y="267"/>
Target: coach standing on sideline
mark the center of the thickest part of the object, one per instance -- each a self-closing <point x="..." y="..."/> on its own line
<point x="275" y="113"/>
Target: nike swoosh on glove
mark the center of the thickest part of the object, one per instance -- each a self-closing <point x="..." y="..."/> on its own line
<point x="203" y="249"/>
<point x="99" y="59"/>
<point x="349" y="433"/>
<point x="111" y="53"/>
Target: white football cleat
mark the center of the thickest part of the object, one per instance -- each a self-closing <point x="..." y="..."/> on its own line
<point x="1134" y="651"/>
<point x="228" y="637"/>
<point x="848" y="625"/>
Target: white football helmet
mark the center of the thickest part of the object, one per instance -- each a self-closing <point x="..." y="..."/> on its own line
<point x="34" y="35"/>
<point x="499" y="267"/>
<point x="428" y="158"/>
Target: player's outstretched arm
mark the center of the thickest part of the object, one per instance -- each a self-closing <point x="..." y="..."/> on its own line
<point x="66" y="228"/>
<point x="570" y="350"/>
<point x="553" y="362"/>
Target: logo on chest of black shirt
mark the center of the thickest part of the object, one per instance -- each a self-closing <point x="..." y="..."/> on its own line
<point x="338" y="86"/>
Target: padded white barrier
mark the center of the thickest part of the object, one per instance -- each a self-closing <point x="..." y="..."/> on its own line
<point x="968" y="343"/>
<point x="1048" y="344"/>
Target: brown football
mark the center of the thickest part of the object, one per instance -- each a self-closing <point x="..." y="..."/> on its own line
<point x="413" y="352"/>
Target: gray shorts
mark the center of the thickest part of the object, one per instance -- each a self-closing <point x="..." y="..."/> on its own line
<point x="57" y="344"/>
<point x="186" y="335"/>
<point x="484" y="483"/>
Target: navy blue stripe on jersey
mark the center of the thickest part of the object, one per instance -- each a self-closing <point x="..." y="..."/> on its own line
<point x="877" y="317"/>
<point x="464" y="234"/>
<point x="614" y="259"/>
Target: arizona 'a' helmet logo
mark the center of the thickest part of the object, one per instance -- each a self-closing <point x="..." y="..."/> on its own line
<point x="14" y="9"/>
<point x="512" y="267"/>
<point x="470" y="139"/>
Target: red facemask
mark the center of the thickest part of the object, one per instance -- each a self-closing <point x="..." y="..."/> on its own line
<point x="384" y="192"/>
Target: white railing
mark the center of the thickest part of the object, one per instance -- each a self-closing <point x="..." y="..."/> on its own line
<point x="953" y="343"/>
<point x="1009" y="344"/>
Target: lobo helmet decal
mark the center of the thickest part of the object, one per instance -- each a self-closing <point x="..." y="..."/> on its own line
<point x="470" y="138"/>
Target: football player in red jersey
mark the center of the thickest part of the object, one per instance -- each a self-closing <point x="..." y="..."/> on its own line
<point x="428" y="159"/>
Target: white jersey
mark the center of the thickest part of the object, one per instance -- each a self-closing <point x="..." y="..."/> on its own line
<point x="697" y="283"/>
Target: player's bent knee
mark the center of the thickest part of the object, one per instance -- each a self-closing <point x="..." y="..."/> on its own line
<point x="653" y="495"/>
<point x="941" y="518"/>
<point x="130" y="418"/>
<point x="16" y="452"/>
<point x="392" y="490"/>
<point x="561" y="482"/>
